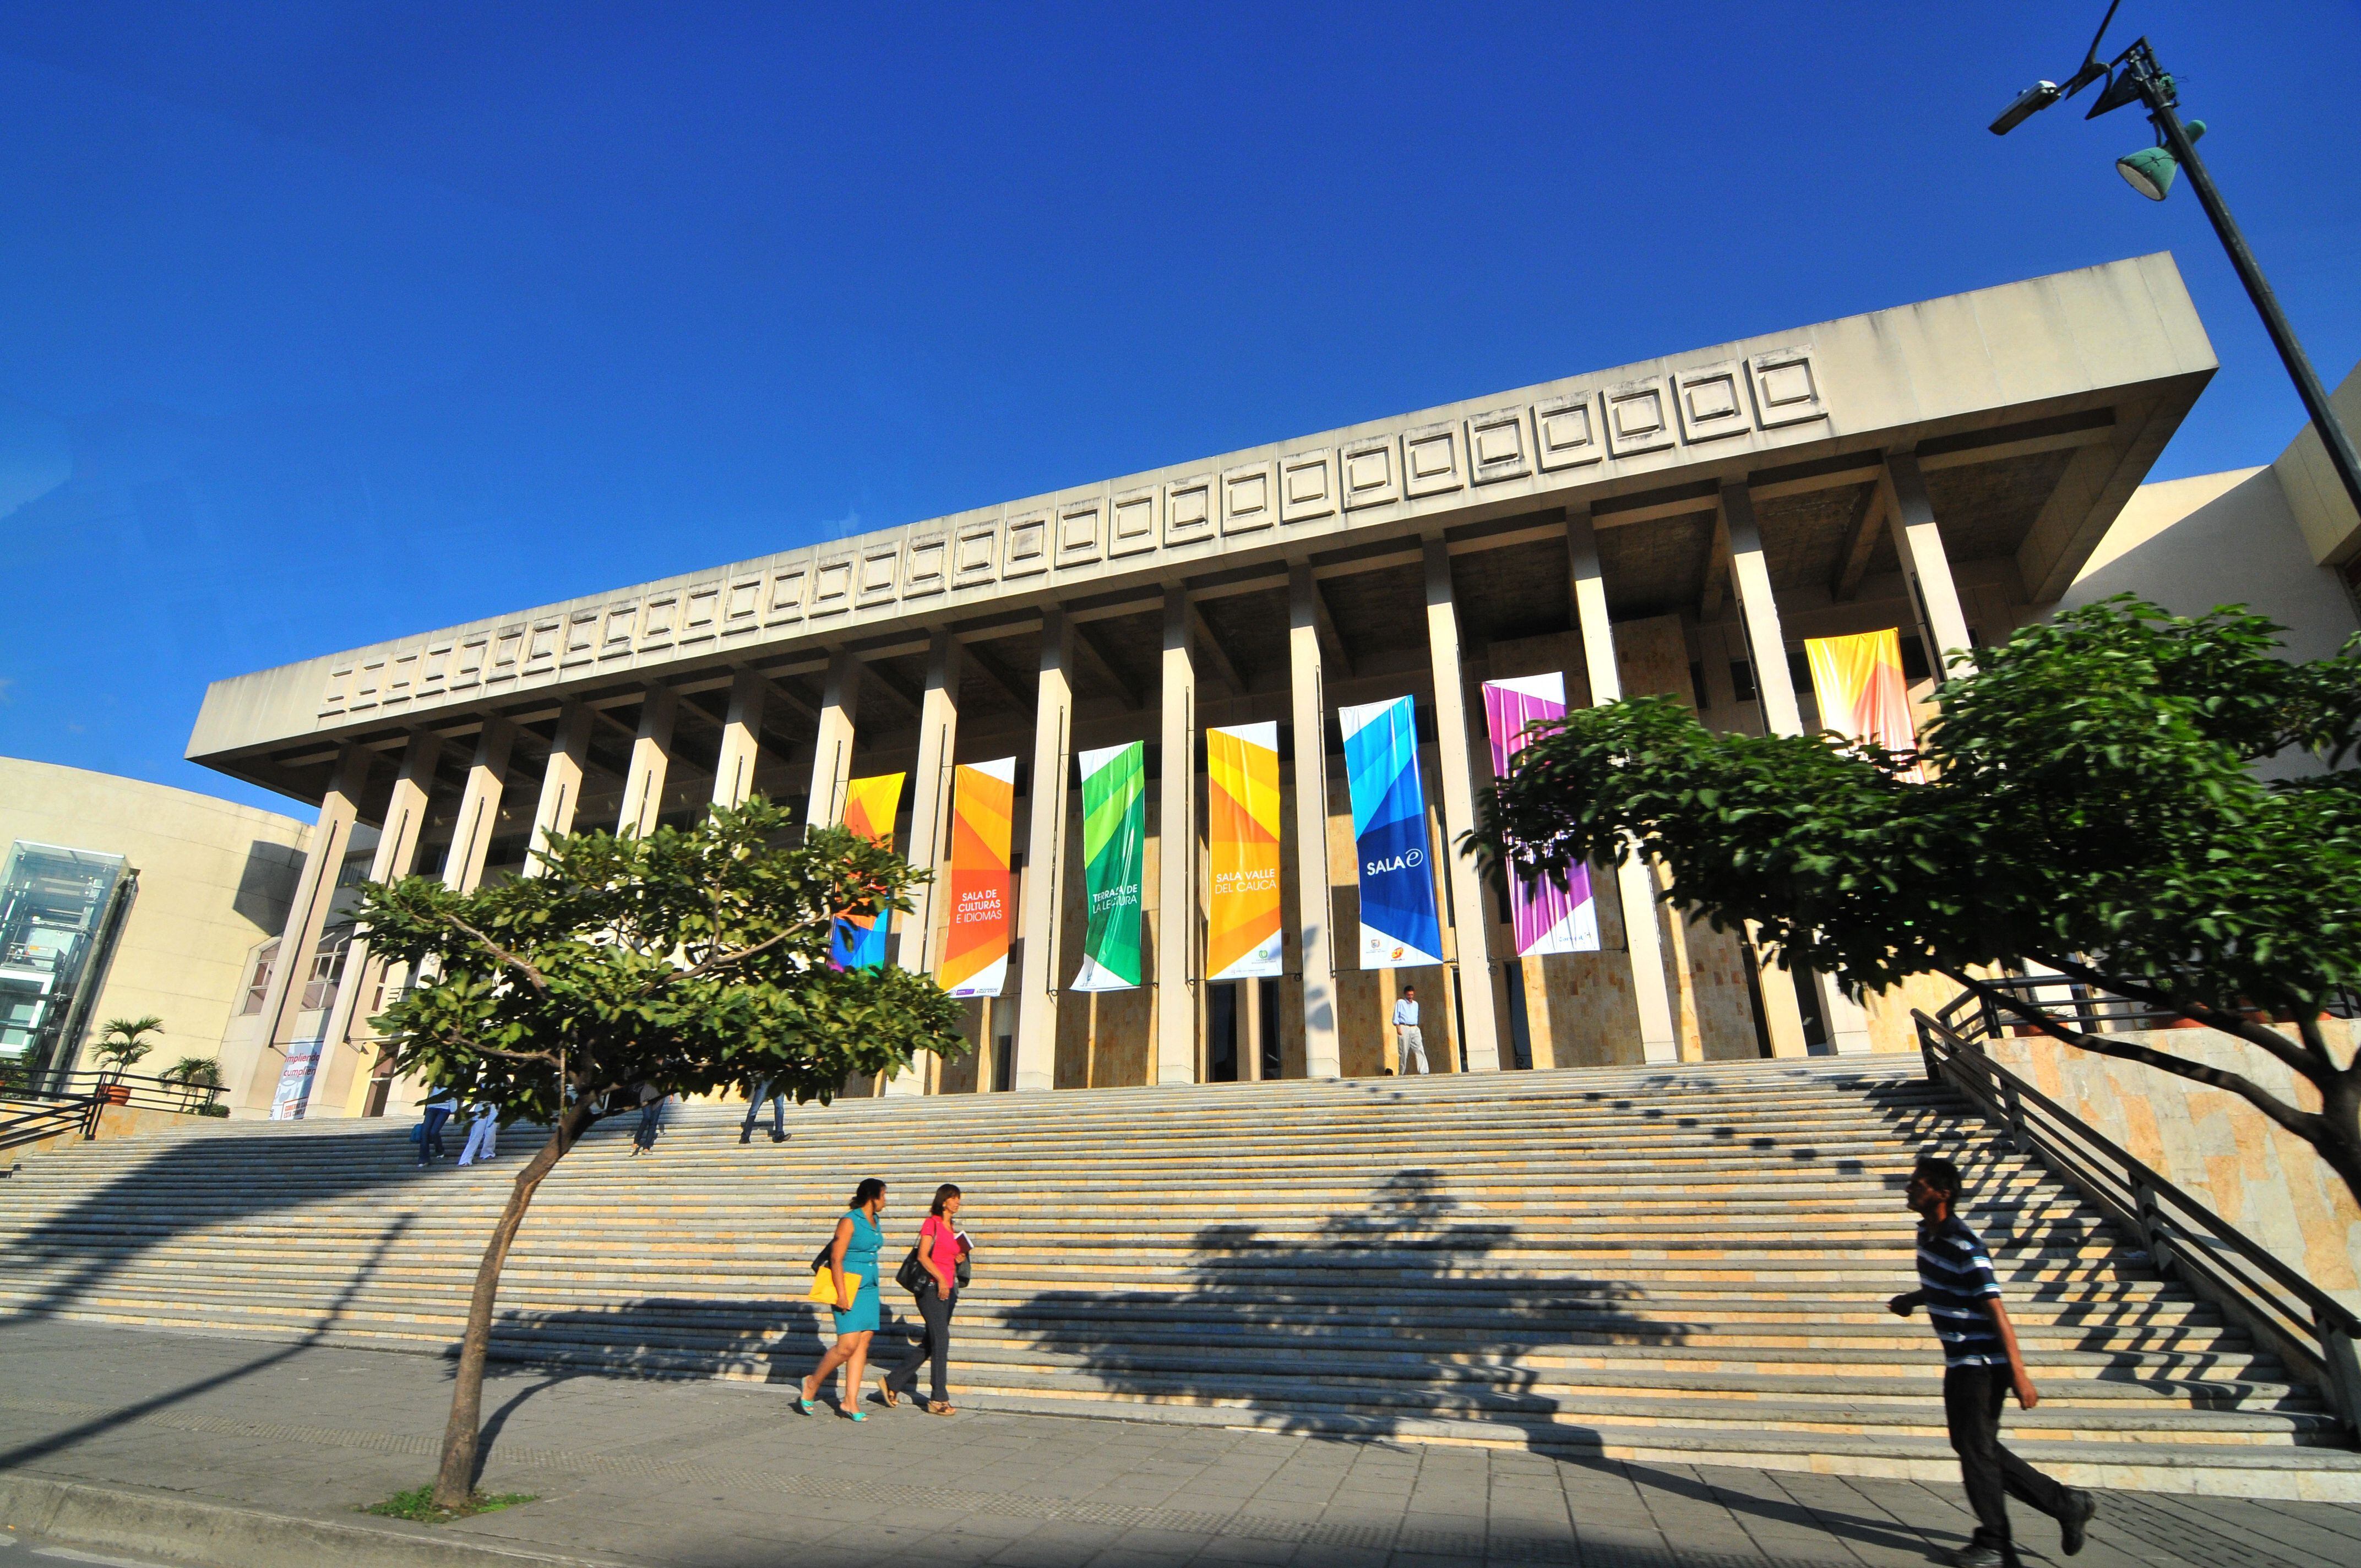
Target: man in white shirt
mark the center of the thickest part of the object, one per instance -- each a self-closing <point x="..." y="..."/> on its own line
<point x="1408" y="1044"/>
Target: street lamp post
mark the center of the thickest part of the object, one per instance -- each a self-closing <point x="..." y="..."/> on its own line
<point x="2135" y="76"/>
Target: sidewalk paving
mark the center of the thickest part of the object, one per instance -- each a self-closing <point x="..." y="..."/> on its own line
<point x="644" y="1472"/>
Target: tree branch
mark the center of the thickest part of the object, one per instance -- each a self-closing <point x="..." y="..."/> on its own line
<point x="2261" y="1036"/>
<point x="524" y="967"/>
<point x="2311" y="1127"/>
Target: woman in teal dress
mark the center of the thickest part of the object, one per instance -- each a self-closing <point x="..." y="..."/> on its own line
<point x="858" y="1311"/>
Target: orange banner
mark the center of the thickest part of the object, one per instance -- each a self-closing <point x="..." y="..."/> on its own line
<point x="1242" y="936"/>
<point x="982" y="910"/>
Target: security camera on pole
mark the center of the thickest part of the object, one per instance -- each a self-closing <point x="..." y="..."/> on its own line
<point x="2134" y="76"/>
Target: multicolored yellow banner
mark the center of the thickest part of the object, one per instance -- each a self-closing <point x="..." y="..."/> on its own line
<point x="982" y="910"/>
<point x="1114" y="838"/>
<point x="870" y="807"/>
<point x="1242" y="939"/>
<point x="1858" y="684"/>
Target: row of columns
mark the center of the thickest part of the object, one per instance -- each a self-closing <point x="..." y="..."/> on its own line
<point x="1173" y="1054"/>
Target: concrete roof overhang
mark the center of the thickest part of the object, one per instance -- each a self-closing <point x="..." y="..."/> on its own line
<point x="2036" y="409"/>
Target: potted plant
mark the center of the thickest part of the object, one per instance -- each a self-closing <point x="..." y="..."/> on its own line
<point x="124" y="1042"/>
<point x="192" y="1075"/>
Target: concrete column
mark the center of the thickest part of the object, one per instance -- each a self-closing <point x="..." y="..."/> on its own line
<point x="1045" y="849"/>
<point x="1323" y="1057"/>
<point x="1766" y="653"/>
<point x="1934" y="598"/>
<point x="307" y="915"/>
<point x="396" y="856"/>
<point x="1766" y="645"/>
<point x="1479" y="1020"/>
<point x="839" y="714"/>
<point x="1176" y="838"/>
<point x="561" y="781"/>
<point x="734" y="771"/>
<point x="643" y="784"/>
<point x="930" y="815"/>
<point x="479" y="806"/>
<point x="1635" y="890"/>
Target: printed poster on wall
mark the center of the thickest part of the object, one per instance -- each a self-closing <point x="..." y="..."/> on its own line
<point x="975" y="941"/>
<point x="1115" y="840"/>
<point x="293" y="1096"/>
<point x="1242" y="939"/>
<point x="1858" y="684"/>
<point x="870" y="806"/>
<point x="1547" y="919"/>
<point x="1400" y="929"/>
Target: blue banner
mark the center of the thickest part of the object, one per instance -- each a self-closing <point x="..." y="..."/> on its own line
<point x="1399" y="926"/>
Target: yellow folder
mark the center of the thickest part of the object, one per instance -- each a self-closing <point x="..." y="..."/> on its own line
<point x="824" y="1285"/>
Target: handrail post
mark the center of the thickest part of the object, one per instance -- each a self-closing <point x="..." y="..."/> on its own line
<point x="2344" y="1364"/>
<point x="2152" y="1228"/>
<point x="1927" y="1050"/>
<point x="90" y="1113"/>
<point x="2016" y="1113"/>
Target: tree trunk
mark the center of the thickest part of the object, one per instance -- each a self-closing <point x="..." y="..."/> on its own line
<point x="456" y="1482"/>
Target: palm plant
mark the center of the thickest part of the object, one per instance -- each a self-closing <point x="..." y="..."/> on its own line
<point x="193" y="1074"/>
<point x="125" y="1041"/>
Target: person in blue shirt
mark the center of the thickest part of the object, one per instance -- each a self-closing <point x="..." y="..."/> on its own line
<point x="852" y="1260"/>
<point x="1408" y="1044"/>
<point x="1981" y="1365"/>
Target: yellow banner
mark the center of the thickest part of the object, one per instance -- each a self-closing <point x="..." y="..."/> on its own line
<point x="1858" y="684"/>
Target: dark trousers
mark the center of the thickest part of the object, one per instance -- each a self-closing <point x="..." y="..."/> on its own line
<point x="651" y="1117"/>
<point x="1973" y="1397"/>
<point x="430" y="1135"/>
<point x="936" y="1309"/>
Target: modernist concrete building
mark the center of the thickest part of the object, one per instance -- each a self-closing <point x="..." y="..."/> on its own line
<point x="1678" y="526"/>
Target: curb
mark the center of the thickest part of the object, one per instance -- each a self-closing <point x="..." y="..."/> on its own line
<point x="163" y="1524"/>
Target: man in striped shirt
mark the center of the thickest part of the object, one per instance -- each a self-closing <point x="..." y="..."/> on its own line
<point x="1980" y="1365"/>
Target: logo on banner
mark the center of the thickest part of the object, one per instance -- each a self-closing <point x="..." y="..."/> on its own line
<point x="1545" y="917"/>
<point x="1399" y="927"/>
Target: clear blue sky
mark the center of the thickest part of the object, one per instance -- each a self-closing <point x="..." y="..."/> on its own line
<point x="321" y="324"/>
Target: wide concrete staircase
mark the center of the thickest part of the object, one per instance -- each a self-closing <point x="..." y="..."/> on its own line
<point x="1683" y="1265"/>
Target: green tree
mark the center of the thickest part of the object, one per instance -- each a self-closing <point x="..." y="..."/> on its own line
<point x="194" y="1075"/>
<point x="2093" y="806"/>
<point x="124" y="1040"/>
<point x="691" y="960"/>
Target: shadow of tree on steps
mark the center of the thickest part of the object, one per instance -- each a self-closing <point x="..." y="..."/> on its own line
<point x="1382" y="1321"/>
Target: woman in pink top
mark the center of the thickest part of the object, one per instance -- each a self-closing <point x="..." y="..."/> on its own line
<point x="939" y="1245"/>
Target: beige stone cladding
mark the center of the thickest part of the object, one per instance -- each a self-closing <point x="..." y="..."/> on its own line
<point x="2267" y="1182"/>
<point x="215" y="879"/>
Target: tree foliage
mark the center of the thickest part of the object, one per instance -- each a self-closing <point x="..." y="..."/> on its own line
<point x="692" y="960"/>
<point x="2094" y="806"/>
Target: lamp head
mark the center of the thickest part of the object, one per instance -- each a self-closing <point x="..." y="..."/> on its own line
<point x="2150" y="170"/>
<point x="2025" y="105"/>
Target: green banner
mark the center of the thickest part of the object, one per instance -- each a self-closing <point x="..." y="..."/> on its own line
<point x="1115" y="835"/>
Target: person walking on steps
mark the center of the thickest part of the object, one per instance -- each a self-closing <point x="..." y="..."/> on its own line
<point x="483" y="1134"/>
<point x="436" y="1110"/>
<point x="651" y="1103"/>
<point x="859" y="1307"/>
<point x="1981" y="1364"/>
<point x="754" y="1113"/>
<point x="1408" y="1044"/>
<point x="939" y="1245"/>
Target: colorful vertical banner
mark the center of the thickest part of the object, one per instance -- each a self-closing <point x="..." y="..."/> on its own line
<point x="293" y="1096"/>
<point x="982" y="910"/>
<point x="1547" y="919"/>
<point x="869" y="807"/>
<point x="1399" y="925"/>
<point x="1114" y="843"/>
<point x="1858" y="684"/>
<point x="1242" y="939"/>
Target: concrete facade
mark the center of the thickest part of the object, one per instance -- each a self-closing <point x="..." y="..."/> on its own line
<point x="214" y="884"/>
<point x="1678" y="526"/>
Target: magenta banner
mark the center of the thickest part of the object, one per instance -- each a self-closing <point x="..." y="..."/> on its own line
<point x="1548" y="918"/>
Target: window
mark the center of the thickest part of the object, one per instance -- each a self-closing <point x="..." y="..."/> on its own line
<point x="327" y="970"/>
<point x="257" y="984"/>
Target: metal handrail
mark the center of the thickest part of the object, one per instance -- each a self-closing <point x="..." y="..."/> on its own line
<point x="2183" y="1236"/>
<point x="46" y="1121"/>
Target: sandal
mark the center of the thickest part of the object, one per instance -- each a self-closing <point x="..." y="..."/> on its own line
<point x="885" y="1392"/>
<point x="856" y="1415"/>
<point x="937" y="1408"/>
<point x="803" y="1401"/>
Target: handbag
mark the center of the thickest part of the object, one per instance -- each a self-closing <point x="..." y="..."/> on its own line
<point x="913" y="1276"/>
<point x="826" y="1254"/>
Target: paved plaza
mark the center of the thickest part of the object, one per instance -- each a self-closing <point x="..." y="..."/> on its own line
<point x="718" y="1476"/>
